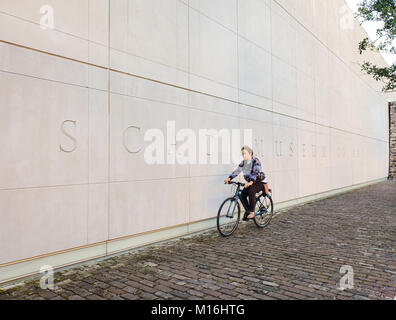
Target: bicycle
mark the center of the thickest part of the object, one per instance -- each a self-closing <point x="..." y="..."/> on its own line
<point x="263" y="212"/>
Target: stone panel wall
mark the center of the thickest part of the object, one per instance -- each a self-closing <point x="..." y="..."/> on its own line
<point x="77" y="97"/>
<point x="392" y="145"/>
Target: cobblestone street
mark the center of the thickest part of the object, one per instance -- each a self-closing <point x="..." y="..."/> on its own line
<point x="298" y="256"/>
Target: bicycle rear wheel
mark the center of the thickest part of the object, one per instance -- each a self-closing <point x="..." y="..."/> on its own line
<point x="228" y="217"/>
<point x="266" y="207"/>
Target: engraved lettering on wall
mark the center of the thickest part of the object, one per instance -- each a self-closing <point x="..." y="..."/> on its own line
<point x="291" y="149"/>
<point x="313" y="151"/>
<point x="305" y="149"/>
<point x="73" y="146"/>
<point x="127" y="142"/>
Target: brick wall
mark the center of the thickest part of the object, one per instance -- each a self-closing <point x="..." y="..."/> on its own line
<point x="392" y="151"/>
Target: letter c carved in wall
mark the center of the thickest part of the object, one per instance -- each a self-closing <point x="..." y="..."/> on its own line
<point x="124" y="140"/>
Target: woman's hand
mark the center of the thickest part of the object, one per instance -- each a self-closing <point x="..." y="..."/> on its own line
<point x="247" y="185"/>
<point x="226" y="181"/>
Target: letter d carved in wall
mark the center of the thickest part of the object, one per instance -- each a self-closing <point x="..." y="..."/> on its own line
<point x="69" y="136"/>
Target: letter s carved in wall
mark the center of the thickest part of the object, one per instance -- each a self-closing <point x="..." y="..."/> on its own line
<point x="69" y="136"/>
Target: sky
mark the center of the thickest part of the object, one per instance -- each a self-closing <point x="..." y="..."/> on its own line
<point x="371" y="28"/>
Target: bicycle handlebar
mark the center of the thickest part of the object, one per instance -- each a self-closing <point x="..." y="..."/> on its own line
<point x="236" y="183"/>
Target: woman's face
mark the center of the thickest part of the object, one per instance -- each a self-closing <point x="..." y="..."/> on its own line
<point x="246" y="155"/>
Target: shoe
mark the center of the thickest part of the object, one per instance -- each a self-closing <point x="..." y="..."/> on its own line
<point x="251" y="217"/>
<point x="245" y="217"/>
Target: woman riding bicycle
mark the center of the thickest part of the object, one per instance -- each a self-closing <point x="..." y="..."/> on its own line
<point x="256" y="180"/>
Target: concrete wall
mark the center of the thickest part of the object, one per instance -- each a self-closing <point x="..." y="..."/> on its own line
<point x="287" y="69"/>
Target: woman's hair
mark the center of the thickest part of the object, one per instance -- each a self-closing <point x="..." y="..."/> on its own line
<point x="248" y="149"/>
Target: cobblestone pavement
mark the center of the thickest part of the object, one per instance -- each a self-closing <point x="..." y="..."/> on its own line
<point x="298" y="256"/>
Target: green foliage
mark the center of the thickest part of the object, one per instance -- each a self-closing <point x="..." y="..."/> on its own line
<point x="384" y="12"/>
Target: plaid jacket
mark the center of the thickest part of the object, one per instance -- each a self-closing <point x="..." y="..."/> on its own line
<point x="251" y="171"/>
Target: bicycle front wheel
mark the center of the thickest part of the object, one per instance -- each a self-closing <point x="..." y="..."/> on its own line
<point x="228" y="217"/>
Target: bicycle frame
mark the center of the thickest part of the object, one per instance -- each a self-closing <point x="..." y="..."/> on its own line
<point x="234" y="204"/>
<point x="237" y="197"/>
